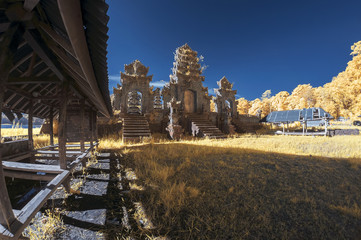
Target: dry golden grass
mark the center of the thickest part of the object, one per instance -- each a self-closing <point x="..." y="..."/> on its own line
<point x="43" y="141"/>
<point x="251" y="187"/>
<point x="338" y="146"/>
<point x="49" y="224"/>
<point x="17" y="131"/>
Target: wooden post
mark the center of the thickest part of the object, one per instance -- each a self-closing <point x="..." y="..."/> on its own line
<point x="283" y="126"/>
<point x="303" y="128"/>
<point x="91" y="126"/>
<point x="62" y="126"/>
<point x="51" y="119"/>
<point x="82" y="133"/>
<point x="30" y="129"/>
<point x="95" y="126"/>
<point x="62" y="132"/>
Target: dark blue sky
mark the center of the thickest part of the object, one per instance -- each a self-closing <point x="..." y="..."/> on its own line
<point x="257" y="45"/>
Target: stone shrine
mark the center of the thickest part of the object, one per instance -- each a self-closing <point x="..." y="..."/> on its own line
<point x="182" y="106"/>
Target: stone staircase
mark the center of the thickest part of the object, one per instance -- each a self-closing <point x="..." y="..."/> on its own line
<point x="135" y="127"/>
<point x="201" y="126"/>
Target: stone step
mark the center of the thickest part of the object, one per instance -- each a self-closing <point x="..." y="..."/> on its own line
<point x="135" y="122"/>
<point x="136" y="131"/>
<point x="135" y="127"/>
<point x="136" y="134"/>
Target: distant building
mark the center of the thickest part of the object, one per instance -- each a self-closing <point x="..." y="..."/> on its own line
<point x="310" y="116"/>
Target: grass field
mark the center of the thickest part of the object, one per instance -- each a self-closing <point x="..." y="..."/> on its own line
<point x="252" y="187"/>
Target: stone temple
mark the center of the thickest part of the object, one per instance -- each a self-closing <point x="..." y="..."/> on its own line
<point x="181" y="107"/>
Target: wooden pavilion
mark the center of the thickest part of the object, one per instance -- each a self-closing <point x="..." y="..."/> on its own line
<point x="53" y="64"/>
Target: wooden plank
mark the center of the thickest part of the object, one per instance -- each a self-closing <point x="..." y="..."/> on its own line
<point x="17" y="157"/>
<point x="57" y="152"/>
<point x="31" y="167"/>
<point x="40" y="51"/>
<point x="38" y="176"/>
<point x="32" y="207"/>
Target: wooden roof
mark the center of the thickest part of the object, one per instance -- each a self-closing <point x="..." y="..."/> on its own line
<point x="56" y="42"/>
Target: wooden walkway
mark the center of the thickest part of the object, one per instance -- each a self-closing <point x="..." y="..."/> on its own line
<point x="35" y="171"/>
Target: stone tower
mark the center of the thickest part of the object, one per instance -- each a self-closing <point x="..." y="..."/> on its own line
<point x="135" y="91"/>
<point x="226" y="97"/>
<point x="185" y="83"/>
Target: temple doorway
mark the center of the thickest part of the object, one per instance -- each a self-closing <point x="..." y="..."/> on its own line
<point x="134" y="102"/>
<point x="229" y="104"/>
<point x="189" y="101"/>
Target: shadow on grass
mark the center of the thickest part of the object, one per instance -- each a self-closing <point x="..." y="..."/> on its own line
<point x="248" y="194"/>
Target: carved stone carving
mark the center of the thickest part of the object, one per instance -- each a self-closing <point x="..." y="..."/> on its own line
<point x="174" y="129"/>
<point x="186" y="76"/>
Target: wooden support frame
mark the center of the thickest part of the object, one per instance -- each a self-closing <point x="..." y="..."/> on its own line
<point x="82" y="126"/>
<point x="42" y="54"/>
<point x="91" y="126"/>
<point x="30" y="126"/>
<point x="7" y="216"/>
<point x="62" y="125"/>
<point x="51" y="123"/>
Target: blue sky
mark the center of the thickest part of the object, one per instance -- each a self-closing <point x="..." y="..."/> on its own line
<point x="257" y="45"/>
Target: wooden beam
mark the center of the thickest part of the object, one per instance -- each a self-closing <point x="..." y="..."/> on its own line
<point x="31" y="80"/>
<point x="67" y="60"/>
<point x="42" y="72"/>
<point x="70" y="11"/>
<point x="31" y="65"/>
<point x="35" y="66"/>
<point x="29" y="5"/>
<point x="42" y="53"/>
<point x="21" y="61"/>
<point x="57" y="38"/>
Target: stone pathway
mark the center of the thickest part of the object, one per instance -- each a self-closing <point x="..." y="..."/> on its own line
<point x="102" y="207"/>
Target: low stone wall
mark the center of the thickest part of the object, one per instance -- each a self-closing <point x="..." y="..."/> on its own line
<point x="335" y="132"/>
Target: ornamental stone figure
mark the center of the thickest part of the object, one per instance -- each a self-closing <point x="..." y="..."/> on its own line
<point x="175" y="130"/>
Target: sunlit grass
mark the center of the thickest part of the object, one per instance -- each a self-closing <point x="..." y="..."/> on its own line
<point x="43" y="141"/>
<point x="46" y="227"/>
<point x="17" y="131"/>
<point x="221" y="189"/>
